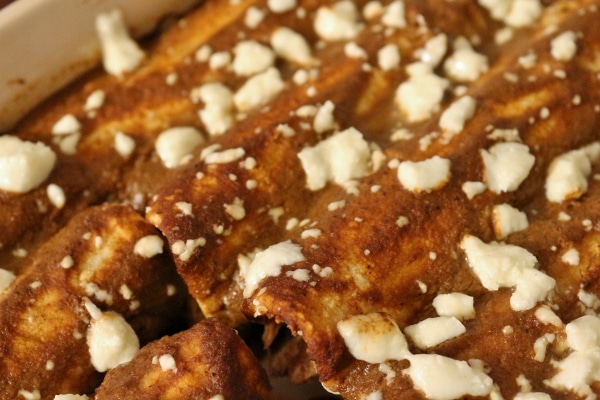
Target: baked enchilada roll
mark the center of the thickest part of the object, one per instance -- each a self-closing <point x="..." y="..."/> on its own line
<point x="207" y="361"/>
<point x="466" y="266"/>
<point x="247" y="186"/>
<point x="92" y="295"/>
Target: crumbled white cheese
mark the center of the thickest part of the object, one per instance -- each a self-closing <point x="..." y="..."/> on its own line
<point x="515" y="13"/>
<point x="402" y="221"/>
<point x="126" y="292"/>
<point x="70" y="397"/>
<point x="582" y="367"/>
<point x="424" y="176"/>
<point x="472" y="189"/>
<point x="547" y="316"/>
<point x="236" y="209"/>
<point x="503" y="35"/>
<point x="281" y="6"/>
<point x="443" y="378"/>
<point x="149" y="246"/>
<point x="269" y="263"/>
<point x="185" y="208"/>
<point x="220" y="59"/>
<point x="568" y="173"/>
<point x="176" y="145"/>
<point x="300" y="275"/>
<point x="95" y="100"/>
<point x="310" y="233"/>
<point x="120" y="53"/>
<point x="374" y="338"/>
<point x="465" y="64"/>
<point x="185" y="249"/>
<point x="259" y="90"/>
<point x="453" y="119"/>
<point x="291" y="46"/>
<point x="6" y="278"/>
<point x="339" y="158"/>
<point x="68" y="143"/>
<point x="563" y="47"/>
<point x="324" y="118"/>
<point x="502" y="265"/>
<point x="66" y="125"/>
<point x="253" y="17"/>
<point x="225" y="156"/>
<point x="433" y="51"/>
<point x="217" y="114"/>
<point x="123" y="144"/>
<point x="589" y="300"/>
<point x="571" y="257"/>
<point x="24" y="165"/>
<point x="353" y="50"/>
<point x="67" y="262"/>
<point x="338" y="22"/>
<point x="167" y="362"/>
<point x="528" y="60"/>
<point x="506" y="166"/>
<point x="433" y="331"/>
<point x="376" y="395"/>
<point x="541" y="345"/>
<point x="30" y="395"/>
<point x="111" y="340"/>
<point x="252" y="57"/>
<point x="372" y="10"/>
<point x="393" y="15"/>
<point x="458" y="305"/>
<point x="532" y="396"/>
<point x="388" y="57"/>
<point x="507" y="135"/>
<point x="56" y="195"/>
<point x="420" y="95"/>
<point x="506" y="220"/>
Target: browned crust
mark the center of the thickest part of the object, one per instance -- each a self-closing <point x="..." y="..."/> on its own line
<point x="43" y="321"/>
<point x="210" y="358"/>
<point x="398" y="258"/>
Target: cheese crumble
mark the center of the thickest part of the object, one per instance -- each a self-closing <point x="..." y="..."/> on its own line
<point x="291" y="46"/>
<point x="339" y="158"/>
<point x="502" y="265"/>
<point x="149" y="246"/>
<point x="507" y="219"/>
<point x="458" y="305"/>
<point x="111" y="340"/>
<point x="580" y="368"/>
<point x="424" y="176"/>
<point x="563" y="47"/>
<point x="251" y="57"/>
<point x="433" y="331"/>
<point x="120" y="53"/>
<point x="465" y="64"/>
<point x="374" y="338"/>
<point x="175" y="146"/>
<point x="259" y="90"/>
<point x="421" y="94"/>
<point x="338" y="22"/>
<point x="24" y="165"/>
<point x="269" y="263"/>
<point x="453" y="119"/>
<point x="569" y="172"/>
<point x="506" y="166"/>
<point x="443" y="378"/>
<point x="6" y="278"/>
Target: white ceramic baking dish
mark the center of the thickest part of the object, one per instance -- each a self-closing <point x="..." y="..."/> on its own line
<point x="45" y="44"/>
